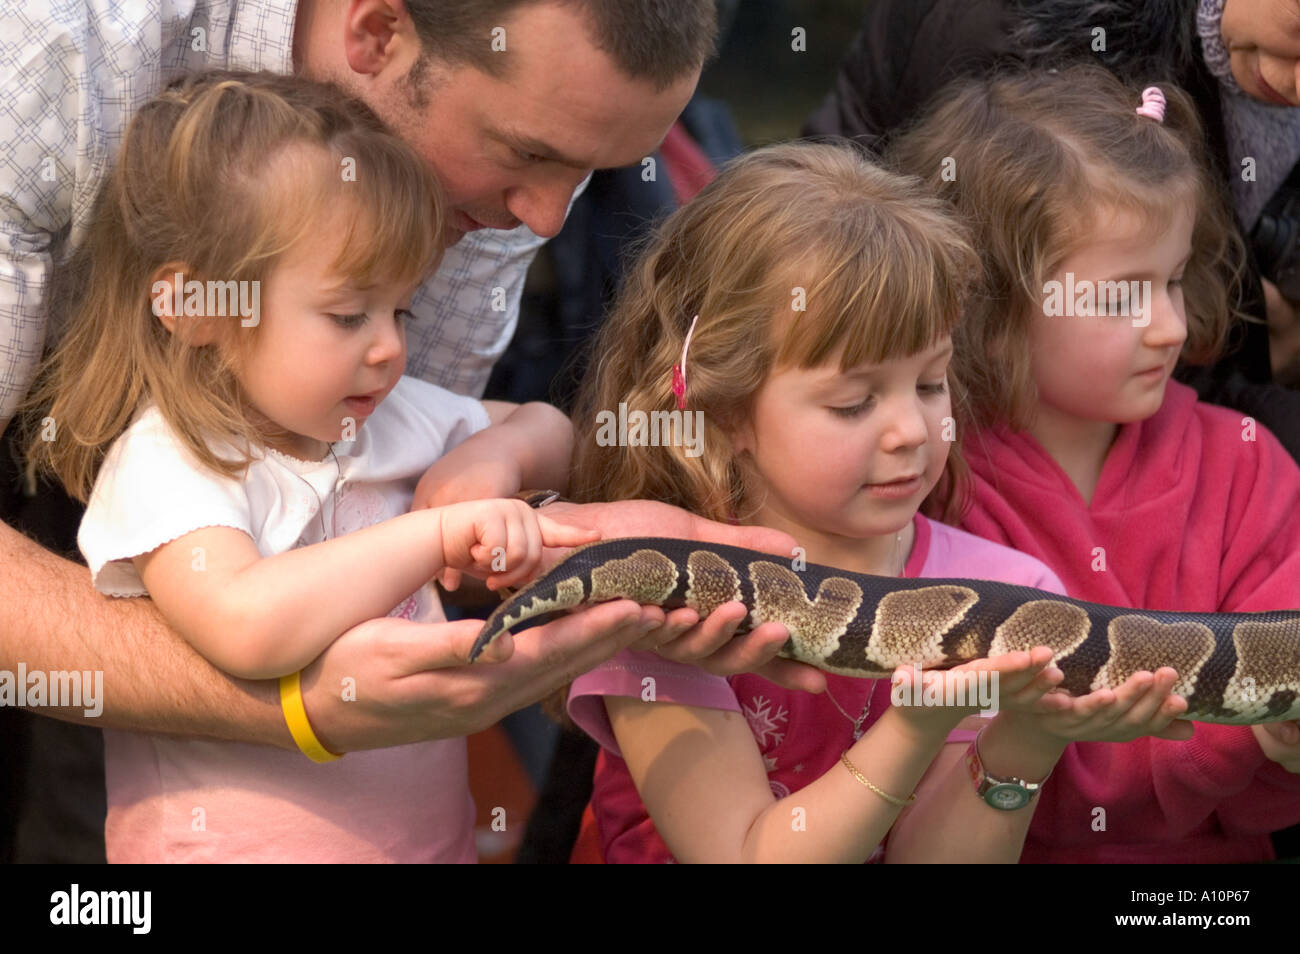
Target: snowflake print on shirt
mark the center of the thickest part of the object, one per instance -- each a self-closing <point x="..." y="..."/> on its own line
<point x="763" y="721"/>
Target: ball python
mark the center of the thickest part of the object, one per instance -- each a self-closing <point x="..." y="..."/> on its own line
<point x="1233" y="668"/>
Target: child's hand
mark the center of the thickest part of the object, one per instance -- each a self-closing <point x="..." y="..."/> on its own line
<point x="501" y="540"/>
<point x="1281" y="743"/>
<point x="1023" y="680"/>
<point x="1143" y="705"/>
<point x="456" y="478"/>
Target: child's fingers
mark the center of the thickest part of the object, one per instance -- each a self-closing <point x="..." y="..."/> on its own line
<point x="1148" y="704"/>
<point x="1028" y="696"/>
<point x="449" y="578"/>
<point x="1036" y="678"/>
<point x="1084" y="708"/>
<point x="1016" y="670"/>
<point x="521" y="523"/>
<point x="509" y="560"/>
<point x="1141" y="706"/>
<point x="1054" y="704"/>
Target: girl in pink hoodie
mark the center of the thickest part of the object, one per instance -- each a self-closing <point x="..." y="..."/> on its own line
<point x="1110" y="256"/>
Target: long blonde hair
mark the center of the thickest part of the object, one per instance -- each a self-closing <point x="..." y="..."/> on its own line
<point x="1028" y="159"/>
<point x="223" y="173"/>
<point x="883" y="268"/>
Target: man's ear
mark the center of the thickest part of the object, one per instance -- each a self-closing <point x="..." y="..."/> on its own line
<point x="167" y="302"/>
<point x="378" y="35"/>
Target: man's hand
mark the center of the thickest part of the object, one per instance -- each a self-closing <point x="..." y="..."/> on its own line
<point x="410" y="682"/>
<point x="683" y="638"/>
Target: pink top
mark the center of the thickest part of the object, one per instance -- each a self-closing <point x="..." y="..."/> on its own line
<point x="176" y="799"/>
<point x="1197" y="509"/>
<point x="800" y="735"/>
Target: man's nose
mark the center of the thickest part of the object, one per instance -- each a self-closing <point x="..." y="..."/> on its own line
<point x="543" y="208"/>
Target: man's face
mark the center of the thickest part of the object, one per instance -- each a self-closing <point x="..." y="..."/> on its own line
<point x="1263" y="41"/>
<point x="513" y="149"/>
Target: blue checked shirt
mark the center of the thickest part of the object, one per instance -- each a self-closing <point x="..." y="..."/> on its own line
<point x="73" y="72"/>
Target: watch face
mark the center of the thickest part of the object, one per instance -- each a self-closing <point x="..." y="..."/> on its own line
<point x="1007" y="797"/>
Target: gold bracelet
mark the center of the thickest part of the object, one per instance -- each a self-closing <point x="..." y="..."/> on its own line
<point x="295" y="714"/>
<point x="844" y="757"/>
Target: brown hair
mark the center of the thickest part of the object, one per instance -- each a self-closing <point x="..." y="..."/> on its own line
<point x="883" y="266"/>
<point x="659" y="41"/>
<point x="222" y="175"/>
<point x="1030" y="155"/>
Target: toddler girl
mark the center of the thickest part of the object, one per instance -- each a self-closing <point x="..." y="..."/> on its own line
<point x="1110" y="256"/>
<point x="231" y="383"/>
<point x="816" y="377"/>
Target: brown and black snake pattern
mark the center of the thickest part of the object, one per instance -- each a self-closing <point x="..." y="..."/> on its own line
<point x="1235" y="668"/>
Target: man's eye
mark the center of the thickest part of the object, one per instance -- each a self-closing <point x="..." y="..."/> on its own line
<point x="404" y="315"/>
<point x="527" y="156"/>
<point x="349" y="321"/>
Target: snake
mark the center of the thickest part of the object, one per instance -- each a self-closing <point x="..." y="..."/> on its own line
<point x="1233" y="668"/>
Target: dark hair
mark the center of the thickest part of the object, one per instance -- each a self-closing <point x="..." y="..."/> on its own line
<point x="656" y="40"/>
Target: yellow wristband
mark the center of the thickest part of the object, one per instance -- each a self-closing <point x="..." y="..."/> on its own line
<point x="295" y="714"/>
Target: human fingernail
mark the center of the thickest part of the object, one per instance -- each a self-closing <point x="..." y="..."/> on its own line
<point x="648" y="625"/>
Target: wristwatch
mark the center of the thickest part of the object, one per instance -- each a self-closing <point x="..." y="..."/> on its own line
<point x="540" y="498"/>
<point x="1004" y="794"/>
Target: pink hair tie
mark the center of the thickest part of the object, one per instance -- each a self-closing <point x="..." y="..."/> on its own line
<point x="679" y="370"/>
<point x="1153" y="104"/>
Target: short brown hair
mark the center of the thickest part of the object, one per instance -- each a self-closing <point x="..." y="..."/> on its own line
<point x="659" y="41"/>
<point x="1033" y="153"/>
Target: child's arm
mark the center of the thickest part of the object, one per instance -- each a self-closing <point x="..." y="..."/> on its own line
<point x="701" y="776"/>
<point x="950" y="823"/>
<point x="528" y="445"/>
<point x="702" y="779"/>
<point x="260" y="617"/>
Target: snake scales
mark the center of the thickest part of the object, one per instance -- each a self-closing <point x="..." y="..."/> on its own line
<point x="1235" y="668"/>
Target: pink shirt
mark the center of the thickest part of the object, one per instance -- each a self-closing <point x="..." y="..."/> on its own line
<point x="800" y="735"/>
<point x="173" y="799"/>
<point x="1196" y="509"/>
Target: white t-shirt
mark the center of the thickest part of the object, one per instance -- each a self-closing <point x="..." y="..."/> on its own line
<point x="178" y="799"/>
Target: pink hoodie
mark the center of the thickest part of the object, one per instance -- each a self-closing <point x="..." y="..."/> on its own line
<point x="1190" y="514"/>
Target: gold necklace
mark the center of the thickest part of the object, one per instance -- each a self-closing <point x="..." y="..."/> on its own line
<point x="320" y="505"/>
<point x="866" y="710"/>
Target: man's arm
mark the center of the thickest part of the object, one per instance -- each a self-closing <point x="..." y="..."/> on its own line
<point x="51" y="618"/>
<point x="386" y="682"/>
<point x="409" y="681"/>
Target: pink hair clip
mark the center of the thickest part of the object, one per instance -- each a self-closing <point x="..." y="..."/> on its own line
<point x="679" y="370"/>
<point x="1153" y="104"/>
